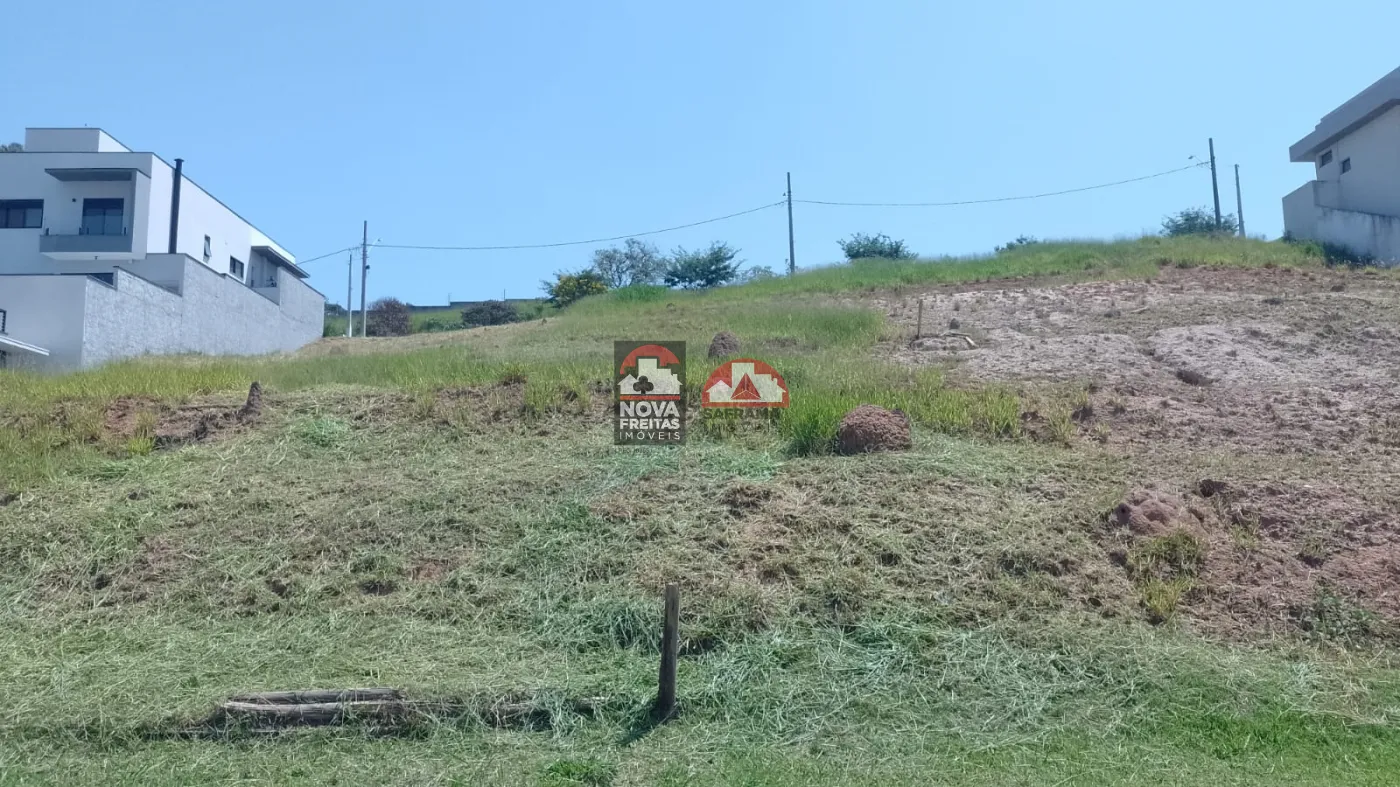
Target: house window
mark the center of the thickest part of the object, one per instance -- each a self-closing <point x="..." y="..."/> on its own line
<point x="21" y="214"/>
<point x="1346" y="165"/>
<point x="208" y="253"/>
<point x="1325" y="159"/>
<point x="235" y="268"/>
<point x="102" y="217"/>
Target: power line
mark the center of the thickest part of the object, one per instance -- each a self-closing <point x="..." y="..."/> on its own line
<point x="578" y="242"/>
<point x="998" y="199"/>
<point x="328" y="254"/>
<point x="785" y="201"/>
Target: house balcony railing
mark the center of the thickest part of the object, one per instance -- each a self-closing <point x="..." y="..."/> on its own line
<point x="85" y="242"/>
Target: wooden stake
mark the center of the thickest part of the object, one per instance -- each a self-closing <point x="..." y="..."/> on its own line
<point x="919" y="332"/>
<point x="665" y="707"/>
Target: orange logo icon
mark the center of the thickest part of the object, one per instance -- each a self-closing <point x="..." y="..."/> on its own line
<point x="744" y="382"/>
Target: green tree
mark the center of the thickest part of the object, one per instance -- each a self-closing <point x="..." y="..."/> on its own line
<point x="11" y="147"/>
<point x="569" y="287"/>
<point x="865" y="247"/>
<point x="700" y="270"/>
<point x="635" y="262"/>
<point x="389" y="317"/>
<point x="1198" y="221"/>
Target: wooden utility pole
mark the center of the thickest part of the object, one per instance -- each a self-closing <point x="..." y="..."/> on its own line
<point x="792" y="246"/>
<point x="350" y="295"/>
<point x="1214" y="187"/>
<point x="364" y="274"/>
<point x="665" y="706"/>
<point x="1239" y="202"/>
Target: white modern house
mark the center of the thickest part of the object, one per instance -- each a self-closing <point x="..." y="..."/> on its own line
<point x="108" y="253"/>
<point x="1355" y="199"/>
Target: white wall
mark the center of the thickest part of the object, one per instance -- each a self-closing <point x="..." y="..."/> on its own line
<point x="1300" y="212"/>
<point x="1373" y="184"/>
<point x="1368" y="233"/>
<point x="46" y="311"/>
<point x="158" y="207"/>
<point x="88" y="140"/>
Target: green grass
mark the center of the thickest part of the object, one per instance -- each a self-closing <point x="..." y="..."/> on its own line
<point x="945" y="615"/>
<point x="454" y="561"/>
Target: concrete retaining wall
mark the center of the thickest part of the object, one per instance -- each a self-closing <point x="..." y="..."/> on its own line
<point x="84" y="322"/>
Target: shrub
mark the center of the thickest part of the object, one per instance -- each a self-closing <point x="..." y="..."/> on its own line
<point x="489" y="313"/>
<point x="1198" y="221"/>
<point x="699" y="270"/>
<point x="436" y="325"/>
<point x="569" y="287"/>
<point x="757" y="273"/>
<point x="389" y="317"/>
<point x="866" y="247"/>
<point x="1021" y="240"/>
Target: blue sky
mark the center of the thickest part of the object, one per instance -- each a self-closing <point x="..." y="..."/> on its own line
<point x="473" y="123"/>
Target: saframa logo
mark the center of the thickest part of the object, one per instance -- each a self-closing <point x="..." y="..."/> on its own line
<point x="649" y="386"/>
<point x="744" y="382"/>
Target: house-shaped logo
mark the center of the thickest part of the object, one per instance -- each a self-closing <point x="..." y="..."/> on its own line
<point x="649" y="389"/>
<point x="744" y="382"/>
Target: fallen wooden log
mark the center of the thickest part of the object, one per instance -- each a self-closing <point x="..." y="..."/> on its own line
<point x="317" y="695"/>
<point x="266" y="711"/>
<point x="316" y="712"/>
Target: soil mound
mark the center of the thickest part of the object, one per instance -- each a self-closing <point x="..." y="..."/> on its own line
<point x="870" y="428"/>
<point x="724" y="345"/>
<point x="1150" y="512"/>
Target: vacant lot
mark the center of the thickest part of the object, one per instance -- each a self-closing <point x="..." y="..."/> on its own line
<point x="1145" y="535"/>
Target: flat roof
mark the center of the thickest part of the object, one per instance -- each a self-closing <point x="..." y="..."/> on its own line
<point x="1361" y="109"/>
<point x="281" y="259"/>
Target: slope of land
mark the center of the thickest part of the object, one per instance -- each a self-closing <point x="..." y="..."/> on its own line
<point x="1145" y="535"/>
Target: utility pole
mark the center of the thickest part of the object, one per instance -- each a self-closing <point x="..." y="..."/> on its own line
<point x="350" y="295"/>
<point x="792" y="248"/>
<point x="364" y="274"/>
<point x="1239" y="202"/>
<point x="1214" y="187"/>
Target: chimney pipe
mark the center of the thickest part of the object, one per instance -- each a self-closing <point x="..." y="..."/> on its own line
<point x="175" y="203"/>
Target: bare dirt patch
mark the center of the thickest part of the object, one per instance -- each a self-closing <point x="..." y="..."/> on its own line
<point x="1252" y="365"/>
<point x="168" y="426"/>
<point x="1261" y="555"/>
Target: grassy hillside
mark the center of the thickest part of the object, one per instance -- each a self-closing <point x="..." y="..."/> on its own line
<point x="446" y="513"/>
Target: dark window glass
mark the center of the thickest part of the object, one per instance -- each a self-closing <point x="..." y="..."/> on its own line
<point x="207" y="253"/>
<point x="102" y="216"/>
<point x="1346" y="165"/>
<point x="21" y="214"/>
<point x="235" y="268"/>
<point x="1325" y="159"/>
